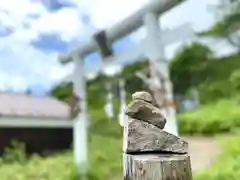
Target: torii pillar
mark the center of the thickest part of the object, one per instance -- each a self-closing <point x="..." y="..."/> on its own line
<point x="80" y="122"/>
<point x="159" y="71"/>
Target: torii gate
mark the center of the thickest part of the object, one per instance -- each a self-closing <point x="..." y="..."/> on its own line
<point x="152" y="47"/>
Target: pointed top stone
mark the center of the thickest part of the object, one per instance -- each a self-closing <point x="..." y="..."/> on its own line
<point x="142" y="95"/>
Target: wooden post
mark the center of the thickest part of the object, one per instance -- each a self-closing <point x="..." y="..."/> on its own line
<point x="121" y="115"/>
<point x="80" y="126"/>
<point x="157" y="167"/>
<point x="150" y="153"/>
<point x="159" y="70"/>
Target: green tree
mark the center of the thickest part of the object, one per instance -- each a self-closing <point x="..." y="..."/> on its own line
<point x="63" y="92"/>
<point x="189" y="67"/>
<point x="228" y="25"/>
<point x="96" y="92"/>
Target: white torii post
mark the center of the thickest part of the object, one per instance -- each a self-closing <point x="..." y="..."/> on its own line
<point x="159" y="64"/>
<point x="109" y="109"/>
<point x="80" y="125"/>
<point x="153" y="46"/>
<point x="122" y="116"/>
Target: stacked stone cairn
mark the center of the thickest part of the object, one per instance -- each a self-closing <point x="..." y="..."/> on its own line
<point x="144" y="132"/>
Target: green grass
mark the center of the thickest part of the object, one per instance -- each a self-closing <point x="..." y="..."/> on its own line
<point x="105" y="156"/>
<point x="105" y="162"/>
<point x="227" y="167"/>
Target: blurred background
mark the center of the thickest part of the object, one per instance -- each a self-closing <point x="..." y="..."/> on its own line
<point x="36" y="89"/>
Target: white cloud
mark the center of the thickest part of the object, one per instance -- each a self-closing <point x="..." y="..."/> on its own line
<point x="21" y="8"/>
<point x="16" y="83"/>
<point x="22" y="62"/>
<point x="13" y="13"/>
<point x="112" y="70"/>
<point x="65" y="22"/>
<point x="25" y="35"/>
<point x="3" y="81"/>
<point x="106" y="13"/>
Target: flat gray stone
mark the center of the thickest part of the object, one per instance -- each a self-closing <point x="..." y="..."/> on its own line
<point x="143" y="137"/>
<point x="141" y="110"/>
<point x="142" y="95"/>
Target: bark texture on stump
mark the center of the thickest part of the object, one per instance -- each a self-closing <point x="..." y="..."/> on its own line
<point x="150" y="153"/>
<point x="157" y="167"/>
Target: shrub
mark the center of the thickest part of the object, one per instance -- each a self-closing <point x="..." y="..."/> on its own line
<point x="220" y="117"/>
<point x="106" y="163"/>
<point x="105" y="159"/>
<point x="213" y="91"/>
<point x="15" y="153"/>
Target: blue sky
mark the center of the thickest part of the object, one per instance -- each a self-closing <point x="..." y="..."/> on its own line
<point x="34" y="32"/>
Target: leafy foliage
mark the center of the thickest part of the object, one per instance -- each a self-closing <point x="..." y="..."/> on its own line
<point x="229" y="24"/>
<point x="189" y="67"/>
<point x="96" y="87"/>
<point x="224" y="83"/>
<point x="105" y="155"/>
<point x="63" y="92"/>
<point x="106" y="163"/>
<point x="15" y="153"/>
<point x="196" y="67"/>
<point x="220" y="117"/>
<point x="235" y="79"/>
<point x="213" y="91"/>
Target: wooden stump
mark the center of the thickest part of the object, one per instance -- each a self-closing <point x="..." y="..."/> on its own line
<point x="157" y="167"/>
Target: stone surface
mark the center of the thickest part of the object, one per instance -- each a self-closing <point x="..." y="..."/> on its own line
<point x="141" y="110"/>
<point x="142" y="95"/>
<point x="144" y="137"/>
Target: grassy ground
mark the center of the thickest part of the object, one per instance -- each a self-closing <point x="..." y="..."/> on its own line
<point x="105" y="145"/>
<point x="105" y="161"/>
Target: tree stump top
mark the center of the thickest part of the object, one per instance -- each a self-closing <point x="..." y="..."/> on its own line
<point x="155" y="157"/>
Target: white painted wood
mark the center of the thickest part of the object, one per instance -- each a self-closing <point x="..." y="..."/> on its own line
<point x="168" y="37"/>
<point x="122" y="117"/>
<point x="80" y="128"/>
<point x="179" y="33"/>
<point x="109" y="108"/>
<point x="159" y="66"/>
<point x="15" y="122"/>
<point x="155" y="50"/>
<point x="124" y="27"/>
